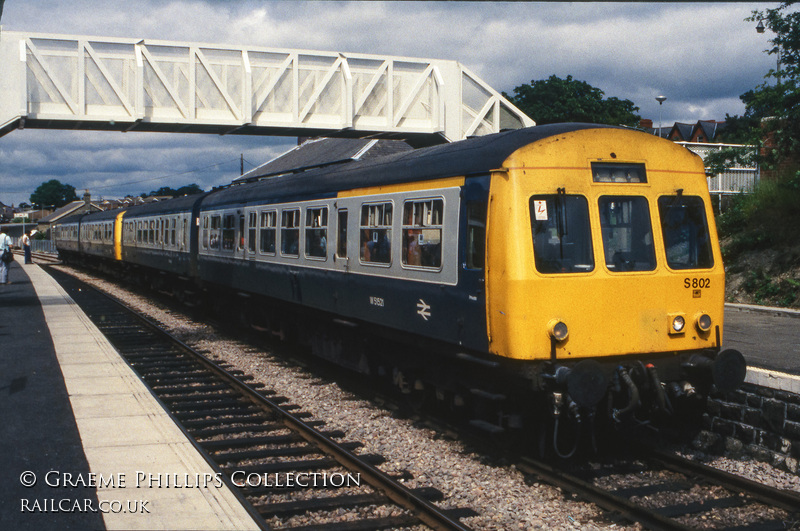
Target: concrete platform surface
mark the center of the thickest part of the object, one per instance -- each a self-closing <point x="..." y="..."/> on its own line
<point x="101" y="450"/>
<point x="769" y="338"/>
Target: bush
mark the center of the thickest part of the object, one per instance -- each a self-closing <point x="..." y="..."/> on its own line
<point x="770" y="215"/>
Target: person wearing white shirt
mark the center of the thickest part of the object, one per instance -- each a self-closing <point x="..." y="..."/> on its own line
<point x="5" y="244"/>
<point x="26" y="247"/>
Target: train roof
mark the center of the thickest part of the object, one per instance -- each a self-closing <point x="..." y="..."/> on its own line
<point x="169" y="206"/>
<point x="473" y="156"/>
<point x="90" y="216"/>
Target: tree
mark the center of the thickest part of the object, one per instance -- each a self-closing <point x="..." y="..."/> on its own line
<point x="53" y="193"/>
<point x="188" y="189"/>
<point x="556" y="100"/>
<point x="772" y="110"/>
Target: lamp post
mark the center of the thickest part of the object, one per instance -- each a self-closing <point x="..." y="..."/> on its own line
<point x="660" y="100"/>
<point x="760" y="28"/>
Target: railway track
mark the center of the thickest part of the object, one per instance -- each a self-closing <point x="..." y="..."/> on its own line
<point x="289" y="472"/>
<point x="663" y="491"/>
<point x="38" y="258"/>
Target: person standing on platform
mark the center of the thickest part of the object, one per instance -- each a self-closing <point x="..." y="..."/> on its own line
<point x="5" y="245"/>
<point x="26" y="246"/>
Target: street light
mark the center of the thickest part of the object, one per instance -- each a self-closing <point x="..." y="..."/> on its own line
<point x="660" y="100"/>
<point x="760" y="28"/>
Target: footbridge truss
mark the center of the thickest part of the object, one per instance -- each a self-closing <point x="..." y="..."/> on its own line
<point x="78" y="82"/>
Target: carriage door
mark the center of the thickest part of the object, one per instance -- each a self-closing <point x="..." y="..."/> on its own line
<point x="341" y="237"/>
<point x="241" y="234"/>
<point x="252" y="224"/>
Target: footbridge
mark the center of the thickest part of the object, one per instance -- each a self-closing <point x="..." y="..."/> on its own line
<point x="114" y="84"/>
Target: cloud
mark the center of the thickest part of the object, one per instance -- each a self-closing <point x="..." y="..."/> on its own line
<point x="702" y="56"/>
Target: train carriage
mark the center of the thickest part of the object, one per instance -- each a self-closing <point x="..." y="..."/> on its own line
<point x="65" y="236"/>
<point x="161" y="236"/>
<point x="577" y="261"/>
<point x="97" y="236"/>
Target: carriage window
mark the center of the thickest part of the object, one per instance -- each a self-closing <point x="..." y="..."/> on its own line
<point x="267" y="235"/>
<point x="376" y="233"/>
<point x="216" y="224"/>
<point x="562" y="238"/>
<point x="173" y="230"/>
<point x="252" y="225"/>
<point x="685" y="230"/>
<point x="228" y="232"/>
<point x="290" y="232"/>
<point x="316" y="232"/>
<point x="476" y="234"/>
<point x="341" y="234"/>
<point x="152" y="232"/>
<point x="627" y="233"/>
<point x="422" y="233"/>
<point x="205" y="232"/>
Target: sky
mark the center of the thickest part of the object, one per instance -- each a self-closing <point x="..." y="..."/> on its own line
<point x="701" y="56"/>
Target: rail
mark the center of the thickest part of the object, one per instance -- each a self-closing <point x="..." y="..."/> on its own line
<point x="210" y="402"/>
<point x="651" y="501"/>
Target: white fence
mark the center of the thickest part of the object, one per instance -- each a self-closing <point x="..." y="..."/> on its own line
<point x="733" y="180"/>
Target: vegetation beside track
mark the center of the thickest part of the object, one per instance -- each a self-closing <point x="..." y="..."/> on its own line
<point x="760" y="237"/>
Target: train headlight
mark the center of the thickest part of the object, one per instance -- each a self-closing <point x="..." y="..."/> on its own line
<point x="677" y="323"/>
<point x="558" y="330"/>
<point x="703" y="322"/>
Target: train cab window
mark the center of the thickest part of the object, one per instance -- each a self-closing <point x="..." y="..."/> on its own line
<point x="685" y="229"/>
<point x="267" y="232"/>
<point x="376" y="233"/>
<point x="290" y="232"/>
<point x="228" y="232"/>
<point x="252" y="227"/>
<point x="627" y="233"/>
<point x="476" y="234"/>
<point x="422" y="233"/>
<point x="316" y="232"/>
<point x="341" y="233"/>
<point x="562" y="238"/>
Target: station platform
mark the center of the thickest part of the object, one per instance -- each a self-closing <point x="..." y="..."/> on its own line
<point x="85" y="445"/>
<point x="769" y="338"/>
